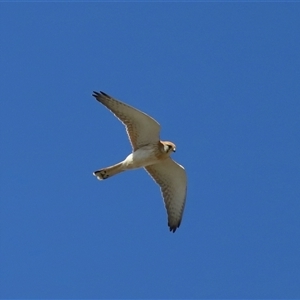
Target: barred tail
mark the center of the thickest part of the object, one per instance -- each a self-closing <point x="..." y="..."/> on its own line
<point x="109" y="171"/>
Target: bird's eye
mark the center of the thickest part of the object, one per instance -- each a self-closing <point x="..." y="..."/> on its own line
<point x="174" y="149"/>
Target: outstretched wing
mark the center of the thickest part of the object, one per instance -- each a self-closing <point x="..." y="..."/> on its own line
<point x="172" y="179"/>
<point x="141" y="128"/>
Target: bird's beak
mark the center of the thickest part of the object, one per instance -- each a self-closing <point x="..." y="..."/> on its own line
<point x="174" y="149"/>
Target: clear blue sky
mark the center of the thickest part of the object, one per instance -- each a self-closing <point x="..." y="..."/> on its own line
<point x="223" y="81"/>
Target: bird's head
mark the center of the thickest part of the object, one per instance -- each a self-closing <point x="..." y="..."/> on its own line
<point x="168" y="147"/>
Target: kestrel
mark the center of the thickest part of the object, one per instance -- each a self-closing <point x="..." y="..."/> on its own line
<point x="150" y="153"/>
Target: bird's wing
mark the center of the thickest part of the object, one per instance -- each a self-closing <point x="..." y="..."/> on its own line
<point x="172" y="179"/>
<point x="141" y="128"/>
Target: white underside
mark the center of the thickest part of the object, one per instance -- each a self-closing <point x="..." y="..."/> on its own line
<point x="140" y="158"/>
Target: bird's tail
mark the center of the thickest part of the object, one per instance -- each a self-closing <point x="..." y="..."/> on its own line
<point x="109" y="171"/>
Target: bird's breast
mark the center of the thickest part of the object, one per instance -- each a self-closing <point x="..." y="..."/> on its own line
<point x="142" y="157"/>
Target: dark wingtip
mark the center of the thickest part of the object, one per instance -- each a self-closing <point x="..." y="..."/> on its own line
<point x="95" y="94"/>
<point x="98" y="95"/>
<point x="173" y="228"/>
<point x="105" y="94"/>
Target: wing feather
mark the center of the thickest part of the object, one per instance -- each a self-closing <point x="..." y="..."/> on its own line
<point x="141" y="128"/>
<point x="172" y="179"/>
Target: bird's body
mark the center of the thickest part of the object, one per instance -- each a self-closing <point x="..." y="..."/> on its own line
<point x="142" y="157"/>
<point x="149" y="153"/>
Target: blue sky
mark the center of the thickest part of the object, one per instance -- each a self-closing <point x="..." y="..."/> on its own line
<point x="222" y="79"/>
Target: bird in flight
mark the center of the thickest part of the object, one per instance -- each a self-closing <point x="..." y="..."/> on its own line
<point x="150" y="153"/>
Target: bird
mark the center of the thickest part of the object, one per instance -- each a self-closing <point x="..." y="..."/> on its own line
<point x="150" y="153"/>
